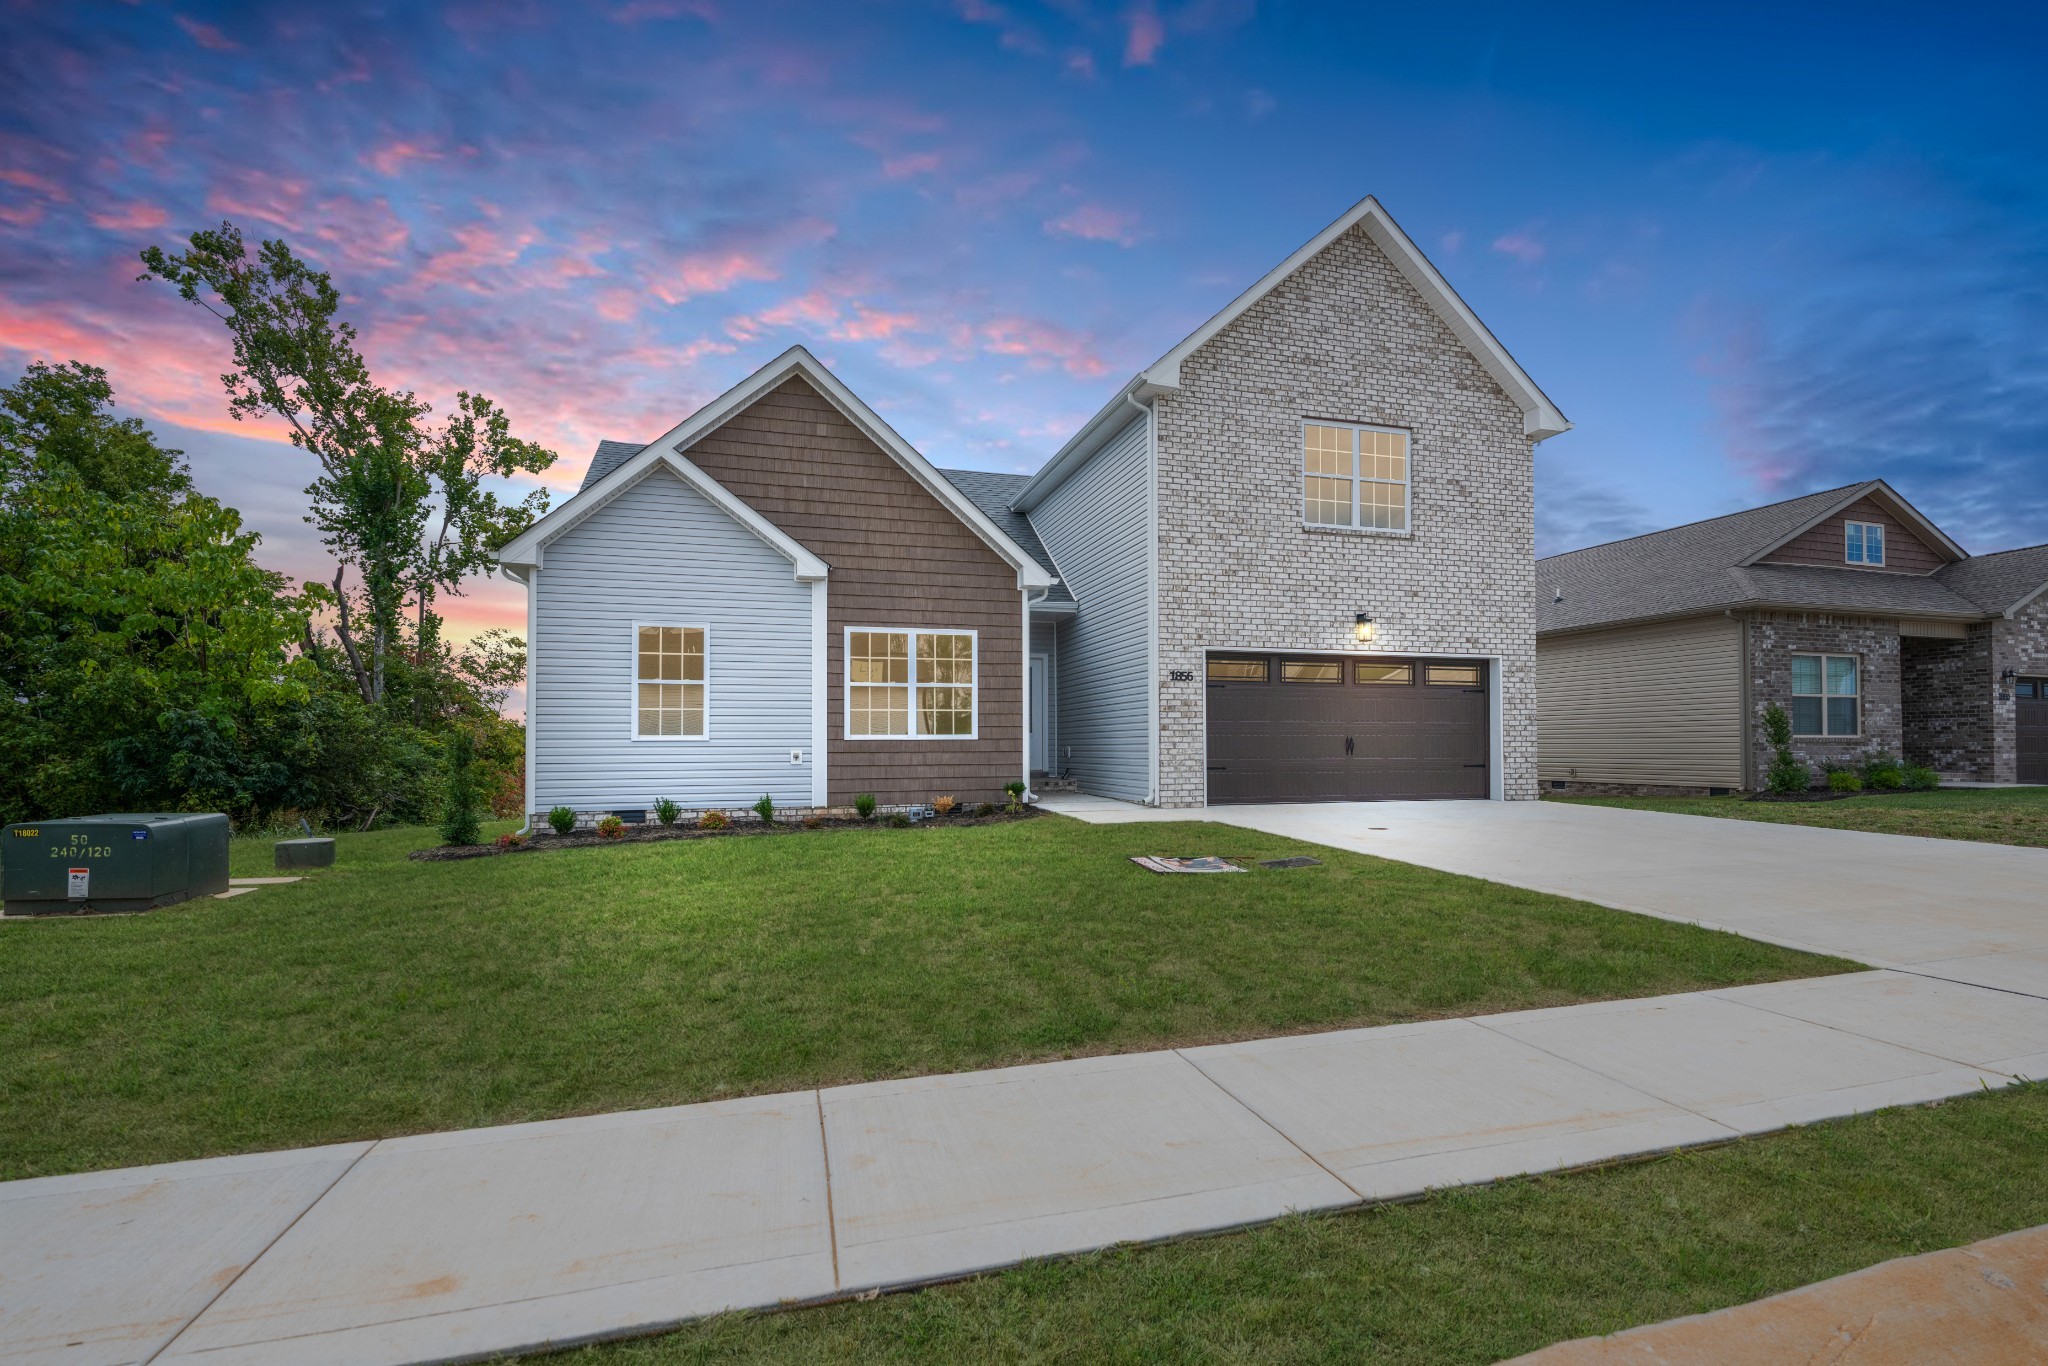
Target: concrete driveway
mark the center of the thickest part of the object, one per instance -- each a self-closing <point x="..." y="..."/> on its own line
<point x="1955" y="909"/>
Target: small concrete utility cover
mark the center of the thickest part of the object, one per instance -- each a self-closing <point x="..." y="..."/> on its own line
<point x="1186" y="865"/>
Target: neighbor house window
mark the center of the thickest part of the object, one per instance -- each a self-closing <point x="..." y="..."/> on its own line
<point x="668" y="683"/>
<point x="1354" y="476"/>
<point x="909" y="685"/>
<point x="1863" y="542"/>
<point x="1824" y="695"/>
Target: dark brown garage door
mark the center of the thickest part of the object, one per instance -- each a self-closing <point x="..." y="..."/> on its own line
<point x="1285" y="728"/>
<point x="2031" y="729"/>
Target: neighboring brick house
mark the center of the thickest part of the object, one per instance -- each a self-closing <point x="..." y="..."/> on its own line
<point x="1291" y="560"/>
<point x="1658" y="655"/>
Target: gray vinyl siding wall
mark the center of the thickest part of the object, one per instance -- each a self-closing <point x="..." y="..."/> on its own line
<point x="660" y="554"/>
<point x="1652" y="704"/>
<point x="1097" y="526"/>
<point x="1045" y="640"/>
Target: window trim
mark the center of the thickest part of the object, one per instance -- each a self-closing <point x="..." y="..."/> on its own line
<point x="1824" y="733"/>
<point x="634" y="680"/>
<point x="1407" y="527"/>
<point x="846" y="684"/>
<point x="1882" y="547"/>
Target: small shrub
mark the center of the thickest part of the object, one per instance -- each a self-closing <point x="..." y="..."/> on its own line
<point x="1920" y="778"/>
<point x="899" y="819"/>
<point x="1884" y="773"/>
<point x="666" y="811"/>
<point x="713" y="820"/>
<point x="461" y="798"/>
<point x="1844" y="780"/>
<point x="562" y="819"/>
<point x="944" y="805"/>
<point x="1787" y="773"/>
<point x="864" y="805"/>
<point x="985" y="809"/>
<point x="1016" y="791"/>
<point x="511" y="839"/>
<point x="765" y="809"/>
<point x="612" y="828"/>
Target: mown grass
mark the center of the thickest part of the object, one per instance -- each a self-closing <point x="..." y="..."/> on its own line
<point x="386" y="996"/>
<point x="2013" y="815"/>
<point x="1466" y="1275"/>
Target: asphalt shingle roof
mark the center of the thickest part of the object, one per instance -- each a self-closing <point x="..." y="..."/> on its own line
<point x="992" y="494"/>
<point x="1996" y="582"/>
<point x="610" y="455"/>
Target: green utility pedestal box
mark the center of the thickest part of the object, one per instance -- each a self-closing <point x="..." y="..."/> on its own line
<point x="112" y="863"/>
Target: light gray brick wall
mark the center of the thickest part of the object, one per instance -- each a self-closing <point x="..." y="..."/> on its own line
<point x="1346" y="338"/>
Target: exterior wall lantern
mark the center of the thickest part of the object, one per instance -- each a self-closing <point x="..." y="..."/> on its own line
<point x="1363" y="627"/>
<point x="2005" y="681"/>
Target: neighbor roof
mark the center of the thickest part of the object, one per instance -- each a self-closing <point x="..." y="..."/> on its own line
<point x="610" y="455"/>
<point x="1711" y="565"/>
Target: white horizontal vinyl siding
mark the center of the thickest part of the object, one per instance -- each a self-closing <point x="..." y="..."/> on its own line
<point x="1657" y="704"/>
<point x="1097" y="527"/>
<point x="661" y="554"/>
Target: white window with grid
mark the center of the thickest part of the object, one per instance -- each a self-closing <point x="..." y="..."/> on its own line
<point x="904" y="684"/>
<point x="669" y="701"/>
<point x="1354" y="476"/>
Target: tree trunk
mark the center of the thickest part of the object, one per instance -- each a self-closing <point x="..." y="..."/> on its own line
<point x="348" y="641"/>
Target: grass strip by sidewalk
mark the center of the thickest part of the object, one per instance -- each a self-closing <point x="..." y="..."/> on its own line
<point x="387" y="997"/>
<point x="1463" y="1276"/>
<point x="2016" y="815"/>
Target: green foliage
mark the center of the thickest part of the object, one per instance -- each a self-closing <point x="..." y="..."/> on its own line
<point x="459" y="796"/>
<point x="899" y="819"/>
<point x="1777" y="727"/>
<point x="1787" y="774"/>
<point x="1016" y="791"/>
<point x="765" y="809"/>
<point x="666" y="811"/>
<point x="864" y="805"/>
<point x="985" y="809"/>
<point x="713" y="820"/>
<point x="611" y="827"/>
<point x="1920" y="778"/>
<point x="1884" y="773"/>
<point x="1844" y="780"/>
<point x="562" y="819"/>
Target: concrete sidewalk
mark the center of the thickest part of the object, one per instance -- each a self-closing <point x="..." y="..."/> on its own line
<point x="1958" y="909"/>
<point x="458" y="1246"/>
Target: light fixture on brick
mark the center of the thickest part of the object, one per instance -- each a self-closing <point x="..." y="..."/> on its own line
<point x="1363" y="626"/>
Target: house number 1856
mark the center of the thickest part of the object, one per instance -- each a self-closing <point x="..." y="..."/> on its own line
<point x="1180" y="675"/>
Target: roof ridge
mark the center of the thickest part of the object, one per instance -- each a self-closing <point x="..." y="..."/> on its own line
<point x="1704" y="521"/>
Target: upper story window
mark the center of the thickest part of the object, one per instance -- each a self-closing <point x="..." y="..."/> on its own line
<point x="910" y="685"/>
<point x="1354" y="476"/>
<point x="668" y="683"/>
<point x="1825" y="695"/>
<point x="1863" y="542"/>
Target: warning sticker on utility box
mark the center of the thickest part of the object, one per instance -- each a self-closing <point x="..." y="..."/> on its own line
<point x="81" y="878"/>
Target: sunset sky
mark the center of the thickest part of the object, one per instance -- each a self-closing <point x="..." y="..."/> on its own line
<point x="1749" y="251"/>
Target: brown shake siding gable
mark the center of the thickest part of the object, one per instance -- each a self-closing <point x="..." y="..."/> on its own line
<point x="898" y="557"/>
<point x="1904" y="552"/>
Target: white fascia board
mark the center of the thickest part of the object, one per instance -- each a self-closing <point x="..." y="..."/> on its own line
<point x="529" y="546"/>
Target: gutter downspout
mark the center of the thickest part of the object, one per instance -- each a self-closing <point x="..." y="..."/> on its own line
<point x="1150" y="417"/>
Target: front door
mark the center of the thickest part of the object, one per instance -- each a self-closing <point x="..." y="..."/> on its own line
<point x="1041" y="702"/>
<point x="2030" y="717"/>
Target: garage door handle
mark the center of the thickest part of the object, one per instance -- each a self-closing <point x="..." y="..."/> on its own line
<point x="1347" y="745"/>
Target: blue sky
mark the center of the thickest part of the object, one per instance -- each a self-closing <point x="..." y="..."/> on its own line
<point x="1749" y="251"/>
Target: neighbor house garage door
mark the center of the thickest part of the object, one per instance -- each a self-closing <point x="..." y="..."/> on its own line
<point x="2031" y="726"/>
<point x="1286" y="728"/>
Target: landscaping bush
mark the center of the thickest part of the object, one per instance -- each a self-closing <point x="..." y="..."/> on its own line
<point x="1787" y="773"/>
<point x="563" y="819"/>
<point x="511" y="839"/>
<point x="1920" y="778"/>
<point x="612" y="828"/>
<point x="1844" y="780"/>
<point x="944" y="805"/>
<point x="459" y="798"/>
<point x="666" y="811"/>
<point x="1016" y="791"/>
<point x="864" y="805"/>
<point x="899" y="819"/>
<point x="713" y="820"/>
<point x="985" y="809"/>
<point x="765" y="809"/>
<point x="1884" y="773"/>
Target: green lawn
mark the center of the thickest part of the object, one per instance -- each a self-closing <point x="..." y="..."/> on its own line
<point x="1465" y="1276"/>
<point x="2012" y="815"/>
<point x="387" y="996"/>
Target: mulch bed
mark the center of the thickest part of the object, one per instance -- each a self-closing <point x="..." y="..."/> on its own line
<point x="1823" y="794"/>
<point x="654" y="834"/>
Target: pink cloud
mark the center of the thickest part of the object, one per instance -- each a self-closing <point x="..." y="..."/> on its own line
<point x="910" y="164"/>
<point x="637" y="11"/>
<point x="1520" y="245"/>
<point x="707" y="272"/>
<point x="392" y="157"/>
<point x="1145" y="36"/>
<point x="479" y="247"/>
<point x="207" y="36"/>
<point x="1041" y="343"/>
<point x="29" y="180"/>
<point x="1096" y="223"/>
<point x="1080" y="62"/>
<point x="258" y="194"/>
<point x="136" y="217"/>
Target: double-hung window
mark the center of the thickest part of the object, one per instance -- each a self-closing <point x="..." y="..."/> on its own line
<point x="668" y="683"/>
<point x="1863" y="542"/>
<point x="1824" y="695"/>
<point x="1354" y="476"/>
<point x="909" y="685"/>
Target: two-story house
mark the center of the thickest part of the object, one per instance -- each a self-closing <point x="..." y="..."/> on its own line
<point x="1293" y="559"/>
